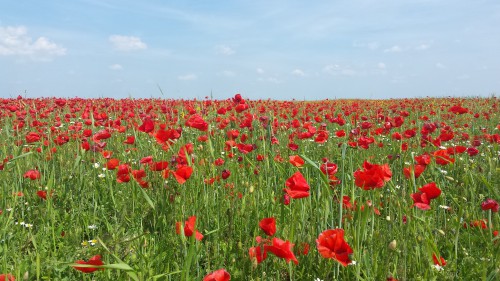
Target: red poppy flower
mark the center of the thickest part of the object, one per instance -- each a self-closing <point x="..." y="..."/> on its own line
<point x="372" y="176"/>
<point x="490" y="204"/>
<point x="101" y="135"/>
<point x="112" y="164"/>
<point x="431" y="190"/>
<point x="442" y="157"/>
<point x="328" y="168"/>
<point x="245" y="148"/>
<point x="219" y="162"/>
<point x="438" y="261"/>
<point x="417" y="171"/>
<point x="477" y="223"/>
<point x="321" y="137"/>
<point x="293" y="146"/>
<point x="162" y="136"/>
<point x="296" y="160"/>
<point x="331" y="245"/>
<point x="42" y="194"/>
<point x="286" y="199"/>
<point x="32" y="174"/>
<point x="257" y="253"/>
<point x="147" y="126"/>
<point x="422" y="199"/>
<point x="472" y="151"/>
<point x="297" y="186"/>
<point x="456" y="149"/>
<point x="106" y="154"/>
<point x="303" y="249"/>
<point x="129" y="140"/>
<point x="423" y="159"/>
<point x="232" y="134"/>
<point x="122" y="175"/>
<point x="32" y="137"/>
<point x="457" y="109"/>
<point x="189" y="228"/>
<point x="7" y="277"/>
<point x="225" y="174"/>
<point x="146" y="160"/>
<point x="340" y="133"/>
<point x="184" y="152"/>
<point x="282" y="249"/>
<point x="183" y="173"/>
<point x="138" y="174"/>
<point x="95" y="260"/>
<point x="268" y="225"/>
<point x="218" y="275"/>
<point x="158" y="166"/>
<point x="197" y="122"/>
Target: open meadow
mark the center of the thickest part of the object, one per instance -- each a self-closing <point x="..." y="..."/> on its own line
<point x="162" y="189"/>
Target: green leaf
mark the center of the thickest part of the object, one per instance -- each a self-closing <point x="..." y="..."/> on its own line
<point x="148" y="199"/>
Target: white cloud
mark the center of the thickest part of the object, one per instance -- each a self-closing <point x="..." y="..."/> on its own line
<point x="381" y="65"/>
<point x="187" y="77"/>
<point x="298" y="72"/>
<point x="260" y="70"/>
<point x="224" y="50"/>
<point x="440" y="65"/>
<point x="14" y="41"/>
<point x="422" y="47"/>
<point x="116" y="67"/>
<point x="371" y="45"/>
<point x="127" y="43"/>
<point x="393" y="49"/>
<point x="331" y="68"/>
<point x="336" y="69"/>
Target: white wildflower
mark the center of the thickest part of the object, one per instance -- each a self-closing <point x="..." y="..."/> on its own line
<point x="438" y="267"/>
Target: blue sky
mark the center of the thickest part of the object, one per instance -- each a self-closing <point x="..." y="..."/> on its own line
<point x="280" y="49"/>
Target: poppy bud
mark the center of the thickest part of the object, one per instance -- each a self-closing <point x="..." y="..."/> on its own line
<point x="393" y="245"/>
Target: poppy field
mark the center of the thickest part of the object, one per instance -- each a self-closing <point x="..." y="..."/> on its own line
<point x="239" y="189"/>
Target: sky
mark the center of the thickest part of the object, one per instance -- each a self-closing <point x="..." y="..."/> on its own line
<point x="262" y="49"/>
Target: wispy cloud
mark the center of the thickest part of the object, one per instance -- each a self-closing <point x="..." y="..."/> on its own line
<point x="336" y="69"/>
<point x="260" y="70"/>
<point x="298" y="72"/>
<point x="15" y="41"/>
<point x="116" y="66"/>
<point x="271" y="79"/>
<point x="440" y="65"/>
<point x="393" y="49"/>
<point x="127" y="43"/>
<point x="224" y="50"/>
<point x="370" y="45"/>
<point x="422" y="47"/>
<point x="187" y="77"/>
